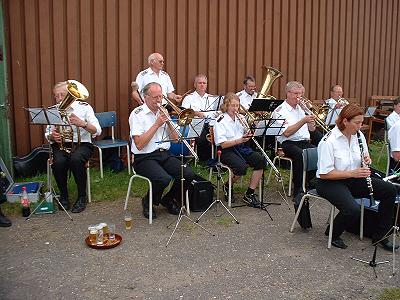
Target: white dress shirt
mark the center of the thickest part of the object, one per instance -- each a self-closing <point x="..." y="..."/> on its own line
<point x="245" y="98"/>
<point x="85" y="112"/>
<point x="392" y="119"/>
<point x="333" y="112"/>
<point x="140" y="120"/>
<point x="148" y="75"/>
<point x="291" y="116"/>
<point x="227" y="129"/>
<point x="394" y="137"/>
<point x="335" y="152"/>
<point x="208" y="104"/>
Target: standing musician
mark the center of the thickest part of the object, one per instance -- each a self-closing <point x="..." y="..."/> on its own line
<point x="231" y="136"/>
<point x="343" y="175"/>
<point x="248" y="93"/>
<point x="204" y="106"/>
<point x="155" y="73"/>
<point x="299" y="131"/>
<point x="394" y="115"/>
<point x="149" y="124"/>
<point x="82" y="116"/>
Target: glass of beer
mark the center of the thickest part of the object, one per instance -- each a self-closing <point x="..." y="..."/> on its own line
<point x="92" y="234"/>
<point x="128" y="220"/>
<point x="111" y="233"/>
<point x="105" y="228"/>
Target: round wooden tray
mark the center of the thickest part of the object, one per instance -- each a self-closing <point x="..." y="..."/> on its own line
<point x="107" y="244"/>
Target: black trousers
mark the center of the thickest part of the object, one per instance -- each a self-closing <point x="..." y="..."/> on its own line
<point x="203" y="145"/>
<point x="341" y="194"/>
<point x="294" y="150"/>
<point x="240" y="162"/>
<point x="76" y="162"/>
<point x="161" y="167"/>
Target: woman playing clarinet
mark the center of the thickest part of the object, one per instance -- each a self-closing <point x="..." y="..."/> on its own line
<point x="343" y="174"/>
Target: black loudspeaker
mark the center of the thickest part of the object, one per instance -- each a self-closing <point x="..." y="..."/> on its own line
<point x="201" y="193"/>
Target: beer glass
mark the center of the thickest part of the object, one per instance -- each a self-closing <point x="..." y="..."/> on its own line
<point x="111" y="232"/>
<point x="92" y="234"/>
<point x="128" y="220"/>
<point x="99" y="236"/>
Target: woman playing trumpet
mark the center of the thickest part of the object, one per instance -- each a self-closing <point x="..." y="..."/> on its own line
<point x="231" y="136"/>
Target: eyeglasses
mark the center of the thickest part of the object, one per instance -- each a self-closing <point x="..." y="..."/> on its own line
<point x="161" y="61"/>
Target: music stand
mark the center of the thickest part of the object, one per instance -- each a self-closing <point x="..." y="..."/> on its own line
<point x="332" y="115"/>
<point x="49" y="117"/>
<point x="191" y="131"/>
<point x="271" y="127"/>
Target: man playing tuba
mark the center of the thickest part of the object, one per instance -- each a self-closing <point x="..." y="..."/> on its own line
<point x="82" y="119"/>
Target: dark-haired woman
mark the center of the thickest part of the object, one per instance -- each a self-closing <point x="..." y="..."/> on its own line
<point x="342" y="177"/>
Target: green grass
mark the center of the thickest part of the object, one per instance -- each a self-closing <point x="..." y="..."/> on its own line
<point x="390" y="294"/>
<point x="114" y="185"/>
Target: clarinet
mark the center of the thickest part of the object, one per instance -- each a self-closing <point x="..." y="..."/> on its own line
<point x="363" y="164"/>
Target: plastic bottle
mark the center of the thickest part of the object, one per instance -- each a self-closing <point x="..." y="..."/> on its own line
<point x="26" y="209"/>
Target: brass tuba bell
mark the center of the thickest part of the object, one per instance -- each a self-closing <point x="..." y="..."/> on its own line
<point x="270" y="76"/>
<point x="76" y="91"/>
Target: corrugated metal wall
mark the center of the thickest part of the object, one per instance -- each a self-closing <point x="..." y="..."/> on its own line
<point x="105" y="43"/>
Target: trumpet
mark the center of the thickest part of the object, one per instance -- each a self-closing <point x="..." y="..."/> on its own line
<point x="320" y="113"/>
<point x="185" y="122"/>
<point x="249" y="130"/>
<point x="342" y="101"/>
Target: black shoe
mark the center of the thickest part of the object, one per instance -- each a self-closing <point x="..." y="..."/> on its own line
<point x="170" y="205"/>
<point x="225" y="188"/>
<point x="79" y="205"/>
<point x="146" y="213"/>
<point x="338" y="242"/>
<point x="251" y="200"/>
<point x="388" y="245"/>
<point x="4" y="221"/>
<point x="64" y="202"/>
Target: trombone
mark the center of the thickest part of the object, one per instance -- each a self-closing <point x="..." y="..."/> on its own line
<point x="319" y="113"/>
<point x="249" y="130"/>
<point x="185" y="117"/>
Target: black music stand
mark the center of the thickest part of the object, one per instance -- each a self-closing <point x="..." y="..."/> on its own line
<point x="190" y="130"/>
<point x="49" y="117"/>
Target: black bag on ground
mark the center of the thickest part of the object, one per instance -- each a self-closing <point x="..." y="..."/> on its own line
<point x="32" y="164"/>
<point x="201" y="193"/>
<point x="304" y="218"/>
<point x="111" y="159"/>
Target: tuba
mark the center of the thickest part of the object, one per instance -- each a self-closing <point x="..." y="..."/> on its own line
<point x="76" y="91"/>
<point x="271" y="75"/>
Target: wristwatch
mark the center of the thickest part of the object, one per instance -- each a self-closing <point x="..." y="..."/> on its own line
<point x="86" y="123"/>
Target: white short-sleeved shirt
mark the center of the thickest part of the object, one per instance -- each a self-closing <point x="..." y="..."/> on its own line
<point x="392" y="119"/>
<point x="394" y="137"/>
<point x="227" y="129"/>
<point x="148" y="75"/>
<point x="291" y="116"/>
<point x="245" y="98"/>
<point x="85" y="112"/>
<point x="335" y="152"/>
<point x="140" y="120"/>
<point x="206" y="103"/>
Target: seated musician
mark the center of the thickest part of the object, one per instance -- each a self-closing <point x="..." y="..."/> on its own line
<point x="394" y="115"/>
<point x="394" y="142"/>
<point x="248" y="94"/>
<point x="149" y="125"/>
<point x="341" y="177"/>
<point x="336" y="94"/>
<point x="204" y="106"/>
<point x="82" y="116"/>
<point x="231" y="136"/>
<point x="299" y="131"/>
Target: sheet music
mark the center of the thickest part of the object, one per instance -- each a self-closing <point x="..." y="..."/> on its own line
<point x="370" y="111"/>
<point x="269" y="127"/>
<point x="192" y="130"/>
<point x="39" y="116"/>
<point x="332" y="116"/>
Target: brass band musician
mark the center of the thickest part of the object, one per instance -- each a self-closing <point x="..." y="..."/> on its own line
<point x="82" y="117"/>
<point x="231" y="136"/>
<point x="148" y="124"/>
<point x="248" y="94"/>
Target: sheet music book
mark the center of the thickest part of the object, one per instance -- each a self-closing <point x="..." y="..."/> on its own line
<point x="269" y="127"/>
<point x="190" y="131"/>
<point x="332" y="116"/>
<point x="261" y="104"/>
<point x="370" y="111"/>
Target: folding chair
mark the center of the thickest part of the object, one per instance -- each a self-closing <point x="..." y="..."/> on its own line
<point x="109" y="119"/>
<point x="280" y="155"/>
<point x="310" y="159"/>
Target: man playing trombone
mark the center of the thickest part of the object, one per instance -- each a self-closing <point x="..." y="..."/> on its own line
<point x="299" y="130"/>
<point x="149" y="124"/>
